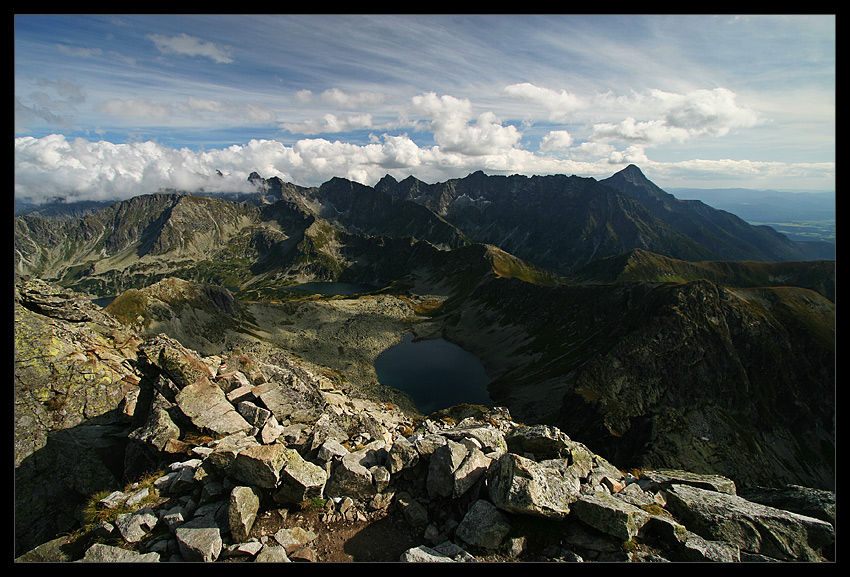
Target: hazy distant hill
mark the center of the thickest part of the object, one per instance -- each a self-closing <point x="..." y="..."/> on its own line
<point x="801" y="216"/>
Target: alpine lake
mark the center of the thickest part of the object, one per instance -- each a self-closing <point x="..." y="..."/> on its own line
<point x="434" y="372"/>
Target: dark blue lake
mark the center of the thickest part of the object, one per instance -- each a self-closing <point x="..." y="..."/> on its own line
<point x="435" y="373"/>
<point x="102" y="302"/>
<point x="332" y="288"/>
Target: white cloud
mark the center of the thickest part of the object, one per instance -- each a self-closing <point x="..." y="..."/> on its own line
<point x="559" y="104"/>
<point x="143" y="108"/>
<point x="185" y="45"/>
<point x="675" y="117"/>
<point x="80" y="169"/>
<point x="556" y="140"/>
<point x="330" y="123"/>
<point x="341" y="99"/>
<point x="450" y="120"/>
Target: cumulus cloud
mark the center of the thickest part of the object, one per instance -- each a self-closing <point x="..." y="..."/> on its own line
<point x="185" y="45"/>
<point x="677" y="118"/>
<point x="560" y="104"/>
<point x="451" y="121"/>
<point x="556" y="140"/>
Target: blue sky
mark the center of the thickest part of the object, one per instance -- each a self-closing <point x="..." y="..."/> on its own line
<point x="108" y="106"/>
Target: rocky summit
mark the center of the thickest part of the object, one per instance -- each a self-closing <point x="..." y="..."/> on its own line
<point x="135" y="448"/>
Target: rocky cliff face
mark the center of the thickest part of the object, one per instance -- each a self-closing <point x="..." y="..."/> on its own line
<point x="557" y="222"/>
<point x="236" y="458"/>
<point x="692" y="375"/>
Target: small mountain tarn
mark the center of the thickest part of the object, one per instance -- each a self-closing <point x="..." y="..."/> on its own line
<point x="435" y="373"/>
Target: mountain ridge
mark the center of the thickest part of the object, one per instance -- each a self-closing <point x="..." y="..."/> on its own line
<point x="610" y="323"/>
<point x="726" y="235"/>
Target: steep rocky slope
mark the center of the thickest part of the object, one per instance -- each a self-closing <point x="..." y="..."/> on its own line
<point x="734" y="380"/>
<point x="640" y="265"/>
<point x="285" y="233"/>
<point x="557" y="222"/>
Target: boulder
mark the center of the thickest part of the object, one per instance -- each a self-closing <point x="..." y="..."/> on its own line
<point x="296" y="401"/>
<point x="610" y="515"/>
<point x="158" y="429"/>
<point x="423" y="554"/>
<point x="750" y="526"/>
<point x="183" y="366"/>
<point x="349" y="477"/>
<point x="806" y="501"/>
<point x="199" y="540"/>
<point x="542" y="441"/>
<point x="473" y="468"/>
<point x="489" y="439"/>
<point x="294" y="539"/>
<point x="102" y="553"/>
<point x="520" y="485"/>
<point x="414" y="512"/>
<point x="442" y="465"/>
<point x="206" y="405"/>
<point x="271" y="554"/>
<point x="402" y="455"/>
<point x="137" y="525"/>
<point x="300" y="481"/>
<point x="242" y="512"/>
<point x="225" y="450"/>
<point x="254" y="415"/>
<point x="483" y="525"/>
<point x="664" y="478"/>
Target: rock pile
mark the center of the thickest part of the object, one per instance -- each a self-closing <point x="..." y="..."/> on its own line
<point x="237" y="440"/>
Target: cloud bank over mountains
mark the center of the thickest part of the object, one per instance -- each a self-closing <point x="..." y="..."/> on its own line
<point x="464" y="141"/>
<point x="109" y="110"/>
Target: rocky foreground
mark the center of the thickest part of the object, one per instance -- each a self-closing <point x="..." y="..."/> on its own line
<point x="237" y="458"/>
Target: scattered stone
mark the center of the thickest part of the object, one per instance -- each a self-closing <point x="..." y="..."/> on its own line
<point x="199" y="540"/>
<point x="272" y="554"/>
<point x="135" y="526"/>
<point x="101" y="553"/>
<point x="423" y="554"/>
<point x="293" y="539"/>
<point x="242" y="512"/>
<point x="610" y="515"/>
<point x="483" y="525"/>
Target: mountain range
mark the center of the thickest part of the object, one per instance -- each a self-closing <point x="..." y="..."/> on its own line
<point x="658" y="330"/>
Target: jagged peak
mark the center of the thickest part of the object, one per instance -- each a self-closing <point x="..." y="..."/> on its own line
<point x="633" y="174"/>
